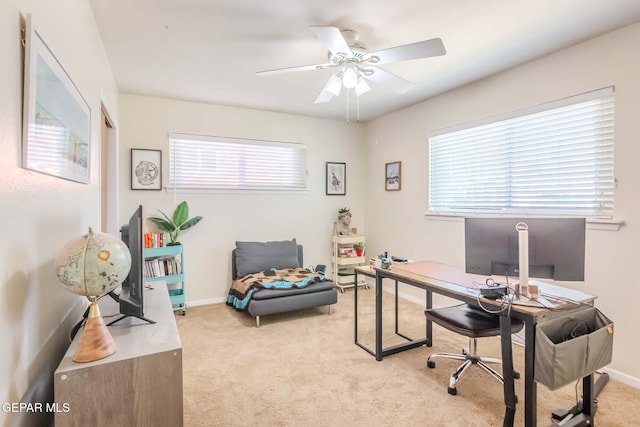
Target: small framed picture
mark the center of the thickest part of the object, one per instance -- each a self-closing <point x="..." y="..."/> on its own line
<point x="336" y="179"/>
<point x="146" y="169"/>
<point x="392" y="176"/>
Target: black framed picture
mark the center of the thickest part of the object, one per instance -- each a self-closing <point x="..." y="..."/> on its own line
<point x="146" y="169"/>
<point x="336" y="179"/>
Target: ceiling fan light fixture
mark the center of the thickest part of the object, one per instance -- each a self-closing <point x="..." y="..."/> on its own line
<point x="361" y="87"/>
<point x="350" y="76"/>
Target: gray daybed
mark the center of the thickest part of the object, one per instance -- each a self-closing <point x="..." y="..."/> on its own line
<point x="249" y="258"/>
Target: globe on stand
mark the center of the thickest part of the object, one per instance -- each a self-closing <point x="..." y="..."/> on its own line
<point x="93" y="265"/>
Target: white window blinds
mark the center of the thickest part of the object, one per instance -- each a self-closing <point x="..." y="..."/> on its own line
<point x="556" y="160"/>
<point x="202" y="162"/>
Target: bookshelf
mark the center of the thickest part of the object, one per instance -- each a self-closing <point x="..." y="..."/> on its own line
<point x="166" y="264"/>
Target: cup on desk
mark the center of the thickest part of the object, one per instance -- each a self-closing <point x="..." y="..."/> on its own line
<point x="375" y="263"/>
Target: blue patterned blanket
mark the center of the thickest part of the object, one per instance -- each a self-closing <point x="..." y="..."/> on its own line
<point x="243" y="288"/>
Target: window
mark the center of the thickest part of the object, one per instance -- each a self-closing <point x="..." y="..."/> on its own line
<point x="202" y="162"/>
<point x="554" y="159"/>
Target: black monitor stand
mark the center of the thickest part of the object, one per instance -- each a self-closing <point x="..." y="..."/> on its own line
<point x="116" y="298"/>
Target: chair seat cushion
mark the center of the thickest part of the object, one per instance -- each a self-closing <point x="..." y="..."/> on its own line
<point x="470" y="321"/>
<point x="279" y="293"/>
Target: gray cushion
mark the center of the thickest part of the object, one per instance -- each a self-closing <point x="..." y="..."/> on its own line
<point x="278" y="293"/>
<point x="252" y="257"/>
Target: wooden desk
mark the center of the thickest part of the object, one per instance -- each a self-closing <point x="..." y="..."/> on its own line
<point x="455" y="283"/>
<point x="139" y="385"/>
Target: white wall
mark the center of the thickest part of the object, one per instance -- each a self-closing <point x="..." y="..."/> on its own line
<point x="397" y="222"/>
<point x="145" y="123"/>
<point x="40" y="213"/>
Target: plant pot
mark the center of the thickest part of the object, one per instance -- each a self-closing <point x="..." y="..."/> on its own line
<point x="359" y="251"/>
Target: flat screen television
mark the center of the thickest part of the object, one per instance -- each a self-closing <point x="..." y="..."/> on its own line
<point x="131" y="298"/>
<point x="556" y="247"/>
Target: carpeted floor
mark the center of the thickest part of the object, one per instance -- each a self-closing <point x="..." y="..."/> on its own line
<point x="303" y="369"/>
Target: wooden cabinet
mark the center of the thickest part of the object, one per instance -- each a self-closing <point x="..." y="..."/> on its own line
<point x="167" y="264"/>
<point x="347" y="255"/>
<point x="139" y="385"/>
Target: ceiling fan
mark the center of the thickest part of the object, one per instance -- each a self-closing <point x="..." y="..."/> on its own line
<point x="357" y="67"/>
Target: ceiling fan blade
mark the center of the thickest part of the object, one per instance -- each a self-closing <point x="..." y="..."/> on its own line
<point x="332" y="39"/>
<point x="387" y="79"/>
<point x="300" y="68"/>
<point x="324" y="96"/>
<point x="418" y="50"/>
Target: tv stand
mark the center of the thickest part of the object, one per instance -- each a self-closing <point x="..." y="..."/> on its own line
<point x="139" y="385"/>
<point x="131" y="315"/>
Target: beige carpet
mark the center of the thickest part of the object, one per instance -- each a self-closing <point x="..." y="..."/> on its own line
<point x="303" y="369"/>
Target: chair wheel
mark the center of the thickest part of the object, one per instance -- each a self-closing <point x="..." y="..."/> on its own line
<point x="431" y="364"/>
<point x="516" y="375"/>
<point x="452" y="391"/>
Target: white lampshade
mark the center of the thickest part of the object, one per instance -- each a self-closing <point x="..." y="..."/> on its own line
<point x="361" y="87"/>
<point x="349" y="77"/>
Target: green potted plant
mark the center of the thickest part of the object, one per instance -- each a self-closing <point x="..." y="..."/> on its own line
<point x="178" y="222"/>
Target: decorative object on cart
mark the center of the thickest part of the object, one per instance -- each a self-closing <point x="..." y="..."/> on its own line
<point x="178" y="222"/>
<point x="336" y="179"/>
<point x="56" y="129"/>
<point x="359" y="247"/>
<point x="392" y="176"/>
<point x="146" y="169"/>
<point x="343" y="225"/>
<point x="93" y="265"/>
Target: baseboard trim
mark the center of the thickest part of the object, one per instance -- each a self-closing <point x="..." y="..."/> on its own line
<point x="205" y="302"/>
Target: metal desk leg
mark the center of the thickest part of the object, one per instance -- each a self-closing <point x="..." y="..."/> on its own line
<point x="355" y="309"/>
<point x="378" y="317"/>
<point x="396" y="307"/>
<point x="507" y="370"/>
<point x="588" y="396"/>
<point x="530" y="388"/>
<point x="429" y="330"/>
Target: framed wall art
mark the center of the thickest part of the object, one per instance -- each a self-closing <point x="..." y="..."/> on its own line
<point x="336" y="179"/>
<point x="56" y="118"/>
<point x="392" y="176"/>
<point x="146" y="169"/>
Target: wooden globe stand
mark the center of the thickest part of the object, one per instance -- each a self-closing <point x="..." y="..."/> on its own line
<point x="96" y="341"/>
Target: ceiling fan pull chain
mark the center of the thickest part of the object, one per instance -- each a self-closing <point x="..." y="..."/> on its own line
<point x="347" y="105"/>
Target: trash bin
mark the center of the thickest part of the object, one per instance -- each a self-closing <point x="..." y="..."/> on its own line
<point x="572" y="346"/>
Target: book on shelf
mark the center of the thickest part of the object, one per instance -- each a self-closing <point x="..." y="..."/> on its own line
<point x="162" y="266"/>
<point x="156" y="240"/>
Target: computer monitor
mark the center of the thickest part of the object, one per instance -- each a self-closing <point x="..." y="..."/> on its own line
<point x="131" y="298"/>
<point x="556" y="247"/>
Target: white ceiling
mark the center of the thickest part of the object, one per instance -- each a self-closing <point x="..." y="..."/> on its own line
<point x="209" y="50"/>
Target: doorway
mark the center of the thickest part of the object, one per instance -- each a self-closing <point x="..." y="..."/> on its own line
<point x="108" y="174"/>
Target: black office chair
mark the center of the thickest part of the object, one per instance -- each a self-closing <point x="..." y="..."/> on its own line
<point x="472" y="322"/>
